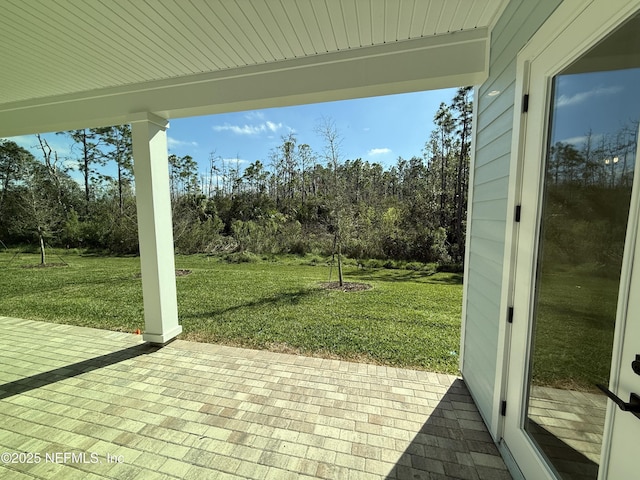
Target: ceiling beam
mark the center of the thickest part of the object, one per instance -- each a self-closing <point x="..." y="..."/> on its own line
<point x="428" y="63"/>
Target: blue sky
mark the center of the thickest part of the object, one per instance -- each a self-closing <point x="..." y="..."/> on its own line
<point x="603" y="102"/>
<point x="377" y="129"/>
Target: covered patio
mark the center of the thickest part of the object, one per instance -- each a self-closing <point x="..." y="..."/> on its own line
<point x="190" y="410"/>
<point x="82" y="65"/>
<point x="128" y="410"/>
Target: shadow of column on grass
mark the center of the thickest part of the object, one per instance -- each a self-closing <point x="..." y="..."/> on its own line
<point x="72" y="370"/>
<point x="286" y="298"/>
<point x="452" y="443"/>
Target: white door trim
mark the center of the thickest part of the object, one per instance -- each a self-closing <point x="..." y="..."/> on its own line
<point x="631" y="249"/>
<point x="570" y="31"/>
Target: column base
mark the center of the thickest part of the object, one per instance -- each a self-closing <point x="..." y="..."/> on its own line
<point x="164" y="338"/>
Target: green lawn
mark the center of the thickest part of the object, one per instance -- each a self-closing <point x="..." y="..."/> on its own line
<point x="574" y="331"/>
<point x="409" y="318"/>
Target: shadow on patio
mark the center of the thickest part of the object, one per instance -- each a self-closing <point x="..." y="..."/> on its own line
<point x="120" y="409"/>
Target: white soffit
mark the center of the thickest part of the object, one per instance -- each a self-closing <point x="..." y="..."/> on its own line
<point x="55" y="51"/>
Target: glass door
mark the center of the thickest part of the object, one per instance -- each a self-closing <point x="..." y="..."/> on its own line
<point x="588" y="178"/>
<point x="575" y="257"/>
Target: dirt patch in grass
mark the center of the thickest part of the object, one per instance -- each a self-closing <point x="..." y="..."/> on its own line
<point x="346" y="286"/>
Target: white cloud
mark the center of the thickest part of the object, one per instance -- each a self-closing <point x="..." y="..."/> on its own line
<point x="379" y="151"/>
<point x="70" y="165"/>
<point x="233" y="161"/>
<point x="581" y="97"/>
<point x="254" y="116"/>
<point x="247" y="129"/>
<point x="574" y="140"/>
<point x="581" y="140"/>
<point x="172" y="143"/>
<point x="274" y="127"/>
<point x="206" y="179"/>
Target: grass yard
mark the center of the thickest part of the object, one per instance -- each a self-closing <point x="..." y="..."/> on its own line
<point x="574" y="333"/>
<point x="408" y="319"/>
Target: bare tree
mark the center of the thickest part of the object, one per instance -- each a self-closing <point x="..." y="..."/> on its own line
<point x="41" y="215"/>
<point x="51" y="163"/>
<point x="332" y="141"/>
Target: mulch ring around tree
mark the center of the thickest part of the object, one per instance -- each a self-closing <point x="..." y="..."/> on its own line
<point x="45" y="265"/>
<point x="346" y="286"/>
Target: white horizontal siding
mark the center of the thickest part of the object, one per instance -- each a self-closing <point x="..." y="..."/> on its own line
<point x="489" y="230"/>
<point x="493" y="190"/>
<point x="492" y="155"/>
<point x="489" y="210"/>
<point x="487" y="172"/>
<point x="499" y="126"/>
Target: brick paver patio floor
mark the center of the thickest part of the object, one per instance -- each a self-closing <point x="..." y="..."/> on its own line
<point x="81" y="403"/>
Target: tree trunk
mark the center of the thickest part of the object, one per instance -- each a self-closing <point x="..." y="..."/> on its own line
<point x="42" y="255"/>
<point x="85" y="159"/>
<point x="120" y="200"/>
<point x="340" y="279"/>
<point x="5" y="187"/>
<point x="443" y="186"/>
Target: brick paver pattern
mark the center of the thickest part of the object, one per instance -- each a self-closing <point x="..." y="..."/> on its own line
<point x="203" y="411"/>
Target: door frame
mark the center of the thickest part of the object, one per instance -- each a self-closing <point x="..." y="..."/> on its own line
<point x="573" y="28"/>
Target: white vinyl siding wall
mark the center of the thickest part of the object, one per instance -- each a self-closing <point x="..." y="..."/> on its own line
<point x="489" y="215"/>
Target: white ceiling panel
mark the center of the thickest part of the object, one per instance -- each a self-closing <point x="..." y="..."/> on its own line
<point x="377" y="20"/>
<point x="433" y="20"/>
<point x="351" y="23"/>
<point x="326" y="27"/>
<point x="391" y="16"/>
<point x="406" y="11"/>
<point x="458" y="18"/>
<point x="363" y="8"/>
<point x="61" y="47"/>
<point x="339" y="26"/>
<point x="475" y="14"/>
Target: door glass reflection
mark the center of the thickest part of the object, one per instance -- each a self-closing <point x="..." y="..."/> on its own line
<point x="587" y="189"/>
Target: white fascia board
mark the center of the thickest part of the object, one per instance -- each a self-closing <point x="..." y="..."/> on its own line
<point x="442" y="61"/>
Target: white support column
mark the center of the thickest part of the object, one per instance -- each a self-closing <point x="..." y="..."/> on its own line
<point x="155" y="230"/>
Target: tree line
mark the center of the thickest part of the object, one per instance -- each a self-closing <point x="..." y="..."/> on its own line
<point x="298" y="199"/>
<point x="588" y="193"/>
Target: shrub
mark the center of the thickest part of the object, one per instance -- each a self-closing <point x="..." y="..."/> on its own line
<point x="241" y="257"/>
<point x="314" y="259"/>
<point x="198" y="236"/>
<point x="451" y="267"/>
<point x="417" y="266"/>
<point x="373" y="263"/>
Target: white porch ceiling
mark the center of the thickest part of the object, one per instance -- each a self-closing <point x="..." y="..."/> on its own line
<point x="57" y="51"/>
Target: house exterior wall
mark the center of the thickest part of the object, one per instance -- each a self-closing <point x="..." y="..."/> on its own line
<point x="488" y="217"/>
